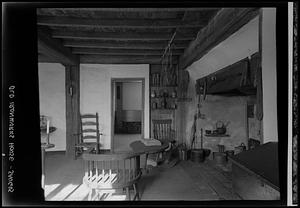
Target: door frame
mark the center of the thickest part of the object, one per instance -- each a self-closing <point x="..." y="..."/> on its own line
<point x="112" y="106"/>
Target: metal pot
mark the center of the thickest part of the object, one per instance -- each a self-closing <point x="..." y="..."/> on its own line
<point x="240" y="148"/>
<point x="229" y="153"/>
<point x="221" y="127"/>
<point x="197" y="155"/>
<point x="221" y="130"/>
<point x="220" y="157"/>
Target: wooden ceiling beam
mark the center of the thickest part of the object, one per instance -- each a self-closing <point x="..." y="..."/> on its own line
<point x="45" y="59"/>
<point x="226" y="22"/>
<point x="169" y="9"/>
<point x="116" y="23"/>
<point x="119" y="36"/>
<point x="124" y="45"/>
<point x="53" y="49"/>
<point x="108" y="59"/>
<point x="122" y="51"/>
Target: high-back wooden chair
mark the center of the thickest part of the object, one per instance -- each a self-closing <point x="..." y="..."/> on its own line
<point x="162" y="130"/>
<point x="89" y="135"/>
<point x="105" y="173"/>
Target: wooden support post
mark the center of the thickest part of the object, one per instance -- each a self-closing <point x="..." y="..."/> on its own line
<point x="72" y="108"/>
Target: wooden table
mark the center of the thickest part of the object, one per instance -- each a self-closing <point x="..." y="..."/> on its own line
<point x="140" y="147"/>
<point x="44" y="146"/>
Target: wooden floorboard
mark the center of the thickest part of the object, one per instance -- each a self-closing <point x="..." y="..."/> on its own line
<point x="186" y="181"/>
<point x="206" y="173"/>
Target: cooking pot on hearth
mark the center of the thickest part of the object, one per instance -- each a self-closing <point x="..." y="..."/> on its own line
<point x="240" y="148"/>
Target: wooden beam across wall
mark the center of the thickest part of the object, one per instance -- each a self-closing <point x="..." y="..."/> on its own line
<point x="45" y="59"/>
<point x="136" y="9"/>
<point x="123" y="45"/>
<point x="116" y="23"/>
<point x="119" y="36"/>
<point x="226" y="22"/>
<point x="109" y="59"/>
<point x="109" y="51"/>
<point x="55" y="50"/>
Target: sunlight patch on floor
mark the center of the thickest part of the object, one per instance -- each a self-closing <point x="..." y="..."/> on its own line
<point x="79" y="194"/>
<point x="116" y="198"/>
<point x="50" y="188"/>
<point x="61" y="195"/>
<point x="111" y="195"/>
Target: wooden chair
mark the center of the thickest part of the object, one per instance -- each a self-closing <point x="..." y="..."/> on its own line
<point x="89" y="133"/>
<point x="162" y="130"/>
<point x="106" y="173"/>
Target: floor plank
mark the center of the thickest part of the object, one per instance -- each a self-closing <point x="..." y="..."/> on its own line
<point x="186" y="181"/>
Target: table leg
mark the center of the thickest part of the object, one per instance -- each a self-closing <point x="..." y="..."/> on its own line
<point x="43" y="168"/>
<point x="146" y="158"/>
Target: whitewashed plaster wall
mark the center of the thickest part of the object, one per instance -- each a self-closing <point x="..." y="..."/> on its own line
<point x="95" y="92"/>
<point x="132" y="96"/>
<point x="53" y="101"/>
<point x="270" y="132"/>
<point x="239" y="45"/>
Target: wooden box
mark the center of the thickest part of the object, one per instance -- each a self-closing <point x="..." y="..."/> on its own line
<point x="255" y="173"/>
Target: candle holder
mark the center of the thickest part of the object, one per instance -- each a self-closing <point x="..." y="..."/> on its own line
<point x="45" y="126"/>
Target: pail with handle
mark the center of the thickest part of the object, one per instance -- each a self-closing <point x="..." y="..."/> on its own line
<point x="197" y="155"/>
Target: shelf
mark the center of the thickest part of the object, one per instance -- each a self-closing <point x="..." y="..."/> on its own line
<point x="163" y="86"/>
<point x="184" y="99"/>
<point x="171" y="109"/>
<point x="164" y="98"/>
<point x="217" y="135"/>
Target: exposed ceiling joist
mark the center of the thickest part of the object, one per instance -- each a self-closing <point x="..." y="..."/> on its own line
<point x="118" y="36"/>
<point x="226" y="22"/>
<point x="169" y="9"/>
<point x="53" y="49"/>
<point x="128" y="35"/>
<point x="44" y="59"/>
<point x="108" y="59"/>
<point x="122" y="51"/>
<point x="116" y="23"/>
<point x="124" y="45"/>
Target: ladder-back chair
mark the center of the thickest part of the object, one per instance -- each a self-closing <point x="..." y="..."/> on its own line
<point x="106" y="173"/>
<point x="162" y="130"/>
<point x="89" y="133"/>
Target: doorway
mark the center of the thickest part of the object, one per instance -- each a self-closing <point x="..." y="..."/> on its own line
<point x="127" y="112"/>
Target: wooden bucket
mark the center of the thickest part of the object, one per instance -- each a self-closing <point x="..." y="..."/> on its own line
<point x="220" y="157"/>
<point x="197" y="155"/>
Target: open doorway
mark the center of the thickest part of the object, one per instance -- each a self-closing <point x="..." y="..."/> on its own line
<point x="127" y="112"/>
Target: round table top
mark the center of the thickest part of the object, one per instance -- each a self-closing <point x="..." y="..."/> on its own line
<point x="51" y="129"/>
<point x="47" y="146"/>
<point x="140" y="147"/>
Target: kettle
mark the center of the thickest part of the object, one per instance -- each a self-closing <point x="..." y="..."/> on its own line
<point x="221" y="127"/>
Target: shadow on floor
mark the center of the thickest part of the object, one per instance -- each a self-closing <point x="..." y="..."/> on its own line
<point x="186" y="181"/>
